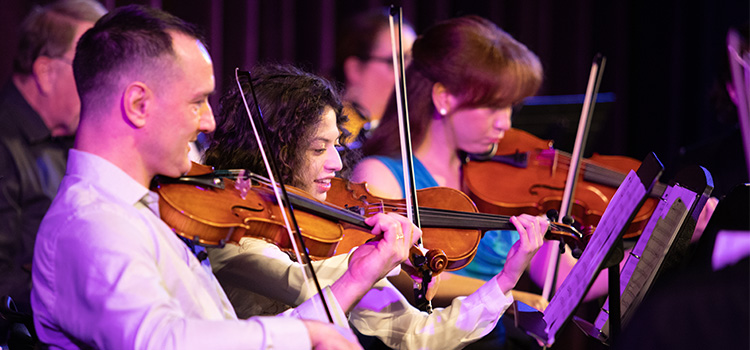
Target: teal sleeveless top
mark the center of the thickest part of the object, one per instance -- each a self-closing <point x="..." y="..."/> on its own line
<point x="493" y="248"/>
<point x="492" y="251"/>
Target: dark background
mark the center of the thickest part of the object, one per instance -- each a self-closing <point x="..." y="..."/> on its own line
<point x="662" y="56"/>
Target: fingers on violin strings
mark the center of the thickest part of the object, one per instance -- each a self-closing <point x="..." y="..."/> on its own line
<point x="536" y="229"/>
<point x="393" y="233"/>
<point x="415" y="233"/>
<point x="408" y="228"/>
<point x="399" y="231"/>
<point x="542" y="225"/>
<point x="379" y="223"/>
<point x="516" y="221"/>
<point x="521" y="226"/>
<point x="394" y="230"/>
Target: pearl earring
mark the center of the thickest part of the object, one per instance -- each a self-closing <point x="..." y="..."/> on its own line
<point x="443" y="111"/>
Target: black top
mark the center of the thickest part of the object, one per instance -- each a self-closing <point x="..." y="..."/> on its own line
<point x="32" y="164"/>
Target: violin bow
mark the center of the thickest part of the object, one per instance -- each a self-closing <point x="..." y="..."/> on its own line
<point x="584" y="123"/>
<point x="407" y="156"/>
<point x="282" y="197"/>
<point x="739" y="63"/>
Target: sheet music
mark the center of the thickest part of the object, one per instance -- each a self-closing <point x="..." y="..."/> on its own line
<point x="654" y="257"/>
<point x="617" y="215"/>
<point x="649" y="252"/>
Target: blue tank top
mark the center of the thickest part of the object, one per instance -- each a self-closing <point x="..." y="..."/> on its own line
<point x="422" y="177"/>
<point x="492" y="251"/>
<point x="493" y="248"/>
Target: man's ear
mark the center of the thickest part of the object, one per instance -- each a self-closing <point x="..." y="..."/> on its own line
<point x="41" y="70"/>
<point x="136" y="102"/>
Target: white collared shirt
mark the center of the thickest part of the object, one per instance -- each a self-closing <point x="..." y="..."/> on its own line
<point x="109" y="274"/>
<point x="247" y="273"/>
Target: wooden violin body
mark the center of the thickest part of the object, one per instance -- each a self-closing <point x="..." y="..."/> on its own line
<point x="211" y="209"/>
<point x="458" y="244"/>
<point x="217" y="212"/>
<point x="535" y="184"/>
<point x="451" y="225"/>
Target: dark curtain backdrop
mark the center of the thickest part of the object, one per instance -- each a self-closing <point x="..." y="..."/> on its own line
<point x="662" y="56"/>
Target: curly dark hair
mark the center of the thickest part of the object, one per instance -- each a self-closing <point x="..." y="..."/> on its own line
<point x="292" y="102"/>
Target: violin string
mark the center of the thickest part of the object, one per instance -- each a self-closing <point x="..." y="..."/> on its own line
<point x="599" y="173"/>
<point x="446" y="216"/>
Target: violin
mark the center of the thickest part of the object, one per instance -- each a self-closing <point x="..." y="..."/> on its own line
<point x="450" y="220"/>
<point x="210" y="209"/>
<point x="533" y="177"/>
<point x="207" y="207"/>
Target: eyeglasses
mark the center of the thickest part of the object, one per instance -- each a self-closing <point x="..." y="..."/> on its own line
<point x="63" y="59"/>
<point x="387" y="60"/>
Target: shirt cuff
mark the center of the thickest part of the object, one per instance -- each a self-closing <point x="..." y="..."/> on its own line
<point x="284" y="333"/>
<point x="393" y="273"/>
<point x="493" y="298"/>
<point x="313" y="309"/>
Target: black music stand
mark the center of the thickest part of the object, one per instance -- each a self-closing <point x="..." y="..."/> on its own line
<point x="663" y="244"/>
<point x="601" y="252"/>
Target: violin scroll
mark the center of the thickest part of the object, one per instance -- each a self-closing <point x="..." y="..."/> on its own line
<point x="566" y="233"/>
<point x="434" y="260"/>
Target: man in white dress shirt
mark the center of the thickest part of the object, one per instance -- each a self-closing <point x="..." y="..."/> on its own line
<point x="108" y="272"/>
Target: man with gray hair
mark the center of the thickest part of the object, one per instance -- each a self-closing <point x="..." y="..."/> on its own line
<point x="39" y="109"/>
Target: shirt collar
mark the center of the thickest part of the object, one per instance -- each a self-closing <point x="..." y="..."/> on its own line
<point x="29" y="121"/>
<point x="110" y="178"/>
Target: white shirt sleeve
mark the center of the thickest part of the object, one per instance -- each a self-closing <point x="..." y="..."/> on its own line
<point x="315" y="309"/>
<point x="260" y="267"/>
<point x="112" y="282"/>
<point x="385" y="313"/>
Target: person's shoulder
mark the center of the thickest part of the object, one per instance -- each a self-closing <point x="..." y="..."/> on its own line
<point x="84" y="219"/>
<point x="367" y="167"/>
<point x="379" y="177"/>
<point x="81" y="202"/>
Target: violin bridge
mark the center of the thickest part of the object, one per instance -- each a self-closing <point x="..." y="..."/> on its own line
<point x="242" y="184"/>
<point x="553" y="168"/>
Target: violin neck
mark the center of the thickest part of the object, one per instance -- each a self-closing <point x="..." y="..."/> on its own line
<point x="464" y="220"/>
<point x="327" y="211"/>
<point x="440" y="218"/>
<point x="608" y="177"/>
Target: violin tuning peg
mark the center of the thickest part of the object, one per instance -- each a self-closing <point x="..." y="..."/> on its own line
<point x="562" y="246"/>
<point x="418" y="260"/>
<point x="552" y="214"/>
<point x="568" y="220"/>
<point x="577" y="253"/>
